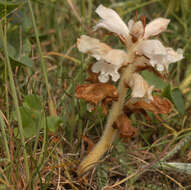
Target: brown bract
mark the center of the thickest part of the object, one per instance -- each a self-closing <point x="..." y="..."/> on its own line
<point x="126" y="130"/>
<point x="92" y="77"/>
<point x="159" y="105"/>
<point x="96" y="92"/>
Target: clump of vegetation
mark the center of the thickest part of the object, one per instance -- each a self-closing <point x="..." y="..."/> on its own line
<point x="142" y="54"/>
<point x="46" y="131"/>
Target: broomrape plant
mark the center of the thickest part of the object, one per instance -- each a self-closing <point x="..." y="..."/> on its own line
<point x="113" y="65"/>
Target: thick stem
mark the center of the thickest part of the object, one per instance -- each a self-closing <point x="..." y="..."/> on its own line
<point x="109" y="133"/>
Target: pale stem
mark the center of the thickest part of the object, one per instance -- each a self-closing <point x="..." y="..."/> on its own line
<point x="109" y="133"/>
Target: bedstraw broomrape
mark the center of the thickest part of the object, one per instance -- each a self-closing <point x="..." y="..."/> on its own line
<point x="113" y="65"/>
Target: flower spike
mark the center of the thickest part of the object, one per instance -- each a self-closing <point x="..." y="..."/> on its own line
<point x="141" y="53"/>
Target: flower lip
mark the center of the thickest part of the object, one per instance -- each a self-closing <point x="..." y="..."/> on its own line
<point x="140" y="88"/>
<point x="109" y="60"/>
<point x="105" y="70"/>
<point x="160" y="56"/>
<point x="111" y="21"/>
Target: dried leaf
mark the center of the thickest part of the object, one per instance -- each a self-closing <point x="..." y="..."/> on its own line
<point x="159" y="105"/>
<point x="126" y="130"/>
<point x="97" y="92"/>
<point x="93" y="77"/>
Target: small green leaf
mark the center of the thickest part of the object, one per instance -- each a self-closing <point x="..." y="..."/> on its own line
<point x="30" y="114"/>
<point x="11" y="50"/>
<point x="22" y="61"/>
<point x="14" y="55"/>
<point x="30" y="121"/>
<point x="27" y="47"/>
<point x="53" y="123"/>
<point x="33" y="101"/>
<point x="152" y="79"/>
<point x="18" y="53"/>
<point x="25" y="60"/>
<point x="178" y="100"/>
<point x="167" y="92"/>
<point x="175" y="96"/>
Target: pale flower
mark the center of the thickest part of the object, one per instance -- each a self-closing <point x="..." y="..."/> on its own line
<point x="155" y="27"/>
<point x="109" y="60"/>
<point x="136" y="28"/>
<point x="159" y="56"/>
<point x="111" y="21"/>
<point x="92" y="46"/>
<point x="140" y="88"/>
<point x="105" y="71"/>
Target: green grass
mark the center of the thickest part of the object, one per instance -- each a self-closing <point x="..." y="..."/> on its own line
<point x="41" y="121"/>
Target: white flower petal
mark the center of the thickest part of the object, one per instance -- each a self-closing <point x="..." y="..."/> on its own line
<point x="106" y="70"/>
<point x="140" y="88"/>
<point x="155" y="27"/>
<point x="174" y="56"/>
<point x="136" y="28"/>
<point x="111" y="21"/>
<point x="154" y="50"/>
<point x="93" y="46"/>
<point x="130" y="24"/>
<point x="116" y="57"/>
<point x="101" y="51"/>
<point x="103" y="78"/>
<point x="160" y="56"/>
<point x="160" y="67"/>
<point x="150" y="48"/>
<point x="115" y="76"/>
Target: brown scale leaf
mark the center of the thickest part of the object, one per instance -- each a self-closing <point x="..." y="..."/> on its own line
<point x="97" y="92"/>
<point x="126" y="130"/>
<point x="93" y="77"/>
<point x="159" y="105"/>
